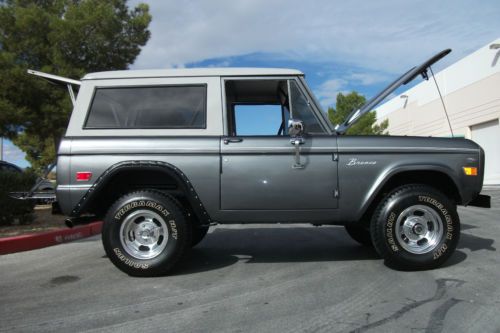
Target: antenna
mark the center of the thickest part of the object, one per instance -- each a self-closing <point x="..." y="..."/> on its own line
<point x="442" y="102"/>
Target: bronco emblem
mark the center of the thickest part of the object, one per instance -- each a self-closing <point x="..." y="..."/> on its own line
<point x="356" y="162"/>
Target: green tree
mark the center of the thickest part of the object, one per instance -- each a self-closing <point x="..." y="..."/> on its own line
<point x="366" y="125"/>
<point x="63" y="37"/>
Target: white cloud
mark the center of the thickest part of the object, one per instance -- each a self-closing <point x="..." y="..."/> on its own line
<point x="327" y="92"/>
<point x="386" y="35"/>
<point x="367" y="79"/>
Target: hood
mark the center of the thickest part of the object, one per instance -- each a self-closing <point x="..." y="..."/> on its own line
<point x="402" y="80"/>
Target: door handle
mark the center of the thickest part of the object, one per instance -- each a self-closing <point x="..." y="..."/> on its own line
<point x="232" y="140"/>
<point x="296" y="142"/>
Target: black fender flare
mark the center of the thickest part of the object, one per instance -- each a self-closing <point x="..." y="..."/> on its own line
<point x="168" y="168"/>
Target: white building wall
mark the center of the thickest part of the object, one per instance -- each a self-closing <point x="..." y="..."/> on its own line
<point x="471" y="93"/>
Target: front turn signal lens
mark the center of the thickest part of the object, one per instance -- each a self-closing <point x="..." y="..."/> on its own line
<point x="470" y="171"/>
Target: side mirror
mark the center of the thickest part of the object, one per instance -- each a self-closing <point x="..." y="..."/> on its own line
<point x="295" y="127"/>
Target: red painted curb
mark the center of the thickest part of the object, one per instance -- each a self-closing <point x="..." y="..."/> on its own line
<point x="38" y="241"/>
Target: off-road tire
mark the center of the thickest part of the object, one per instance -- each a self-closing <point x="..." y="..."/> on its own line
<point x="430" y="204"/>
<point x="198" y="234"/>
<point x="360" y="234"/>
<point x="168" y="216"/>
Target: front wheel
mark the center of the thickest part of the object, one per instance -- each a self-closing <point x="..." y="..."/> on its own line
<point x="145" y="233"/>
<point x="416" y="227"/>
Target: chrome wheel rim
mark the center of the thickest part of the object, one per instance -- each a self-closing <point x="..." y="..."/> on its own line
<point x="419" y="229"/>
<point x="144" y="234"/>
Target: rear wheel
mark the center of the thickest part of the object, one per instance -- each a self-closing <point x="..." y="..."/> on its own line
<point x="145" y="233"/>
<point x="415" y="227"/>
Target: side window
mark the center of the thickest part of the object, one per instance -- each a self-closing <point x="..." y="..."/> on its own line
<point x="148" y="107"/>
<point x="302" y="110"/>
<point x="262" y="107"/>
<point x="257" y="107"/>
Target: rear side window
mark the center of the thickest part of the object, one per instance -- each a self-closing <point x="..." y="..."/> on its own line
<point x="149" y="107"/>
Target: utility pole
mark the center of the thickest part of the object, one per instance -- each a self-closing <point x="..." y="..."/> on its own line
<point x="1" y="148"/>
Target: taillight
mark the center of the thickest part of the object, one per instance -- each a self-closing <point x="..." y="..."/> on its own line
<point x="83" y="176"/>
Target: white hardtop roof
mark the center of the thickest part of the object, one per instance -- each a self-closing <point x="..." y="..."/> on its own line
<point x="193" y="72"/>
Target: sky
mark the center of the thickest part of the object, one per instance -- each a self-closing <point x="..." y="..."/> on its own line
<point x="340" y="45"/>
<point x="13" y="154"/>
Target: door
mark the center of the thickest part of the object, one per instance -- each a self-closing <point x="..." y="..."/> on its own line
<point x="260" y="167"/>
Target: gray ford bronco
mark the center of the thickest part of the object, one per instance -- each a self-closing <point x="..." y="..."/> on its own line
<point x="160" y="155"/>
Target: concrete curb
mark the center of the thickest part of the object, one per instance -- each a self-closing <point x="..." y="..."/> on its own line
<point x="45" y="239"/>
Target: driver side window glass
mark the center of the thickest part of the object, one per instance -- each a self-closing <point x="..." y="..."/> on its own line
<point x="302" y="110"/>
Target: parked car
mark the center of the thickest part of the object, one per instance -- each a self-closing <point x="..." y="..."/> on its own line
<point x="42" y="193"/>
<point x="6" y="166"/>
<point x="160" y="155"/>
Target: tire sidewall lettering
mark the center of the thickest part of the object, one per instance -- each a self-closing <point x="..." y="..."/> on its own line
<point x="138" y="204"/>
<point x="389" y="232"/>
<point x="127" y="261"/>
<point x="447" y="217"/>
<point x="440" y="251"/>
<point x="173" y="227"/>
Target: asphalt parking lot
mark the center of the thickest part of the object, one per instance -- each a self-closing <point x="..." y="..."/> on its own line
<point x="293" y="278"/>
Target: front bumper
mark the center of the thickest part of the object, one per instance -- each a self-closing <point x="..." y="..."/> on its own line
<point x="481" y="200"/>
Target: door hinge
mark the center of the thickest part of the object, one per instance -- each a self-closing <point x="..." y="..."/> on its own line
<point x="336" y="193"/>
